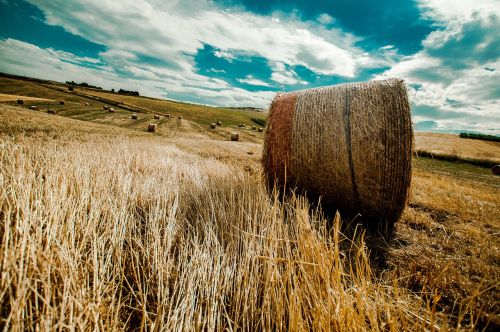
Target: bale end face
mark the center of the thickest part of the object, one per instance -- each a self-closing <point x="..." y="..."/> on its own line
<point x="152" y="127"/>
<point x="235" y="137"/>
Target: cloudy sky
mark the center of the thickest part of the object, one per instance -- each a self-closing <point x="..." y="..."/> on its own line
<point x="241" y="52"/>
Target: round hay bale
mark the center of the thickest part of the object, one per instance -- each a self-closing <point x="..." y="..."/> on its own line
<point x="62" y="103"/>
<point x="350" y="145"/>
<point x="134" y="116"/>
<point x="167" y="116"/>
<point x="219" y="123"/>
<point x="51" y="111"/>
<point x="157" y="116"/>
<point x="212" y="125"/>
<point x="20" y="101"/>
<point x="111" y="110"/>
<point x="152" y="127"/>
<point x="87" y="104"/>
<point x="235" y="137"/>
<point x="180" y="118"/>
<point x="261" y="130"/>
<point x="105" y="107"/>
<point x="254" y="128"/>
<point x="70" y="88"/>
<point x="495" y="170"/>
<point x="33" y="107"/>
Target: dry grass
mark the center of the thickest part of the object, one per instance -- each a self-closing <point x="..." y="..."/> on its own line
<point x="453" y="145"/>
<point x="109" y="228"/>
<point x="8" y="97"/>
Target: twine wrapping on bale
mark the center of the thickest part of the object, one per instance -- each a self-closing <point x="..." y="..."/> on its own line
<point x="235" y="137"/>
<point x="349" y="144"/>
<point x="134" y="116"/>
<point x="212" y="125"/>
<point x="152" y="127"/>
<point x="157" y="116"/>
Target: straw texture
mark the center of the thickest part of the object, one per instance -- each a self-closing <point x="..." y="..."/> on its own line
<point x="349" y="144"/>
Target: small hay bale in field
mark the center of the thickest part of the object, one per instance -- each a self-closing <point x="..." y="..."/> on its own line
<point x="51" y="111"/>
<point x="87" y="104"/>
<point x="235" y="137"/>
<point x="157" y="116"/>
<point x="219" y="123"/>
<point x="495" y="170"/>
<point x="20" y="101"/>
<point x="105" y="107"/>
<point x="111" y="110"/>
<point x="180" y="118"/>
<point x="62" y="103"/>
<point x="212" y="125"/>
<point x="33" y="107"/>
<point x="261" y="130"/>
<point x="167" y="116"/>
<point x="134" y="116"/>
<point x="350" y="144"/>
<point x="254" y="128"/>
<point x="70" y="88"/>
<point x="152" y="127"/>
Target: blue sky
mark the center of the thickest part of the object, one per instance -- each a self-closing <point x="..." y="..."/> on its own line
<point x="241" y="52"/>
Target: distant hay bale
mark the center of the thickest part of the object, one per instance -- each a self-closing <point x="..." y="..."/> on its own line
<point x="32" y="107"/>
<point x="51" y="111"/>
<point x="180" y="118"/>
<point x="134" y="116"/>
<point x="349" y="144"/>
<point x="20" y="101"/>
<point x="157" y="116"/>
<point x="62" y="103"/>
<point x="219" y="123"/>
<point x="70" y="88"/>
<point x="235" y="137"/>
<point x="496" y="169"/>
<point x="105" y="107"/>
<point x="111" y="110"/>
<point x="212" y="125"/>
<point x="87" y="104"/>
<point x="152" y="127"/>
<point x="261" y="130"/>
<point x="254" y="128"/>
<point x="167" y="116"/>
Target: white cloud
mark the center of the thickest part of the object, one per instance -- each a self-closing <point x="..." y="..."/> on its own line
<point x="325" y="19"/>
<point x="252" y="81"/>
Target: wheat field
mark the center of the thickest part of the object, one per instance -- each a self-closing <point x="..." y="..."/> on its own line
<point x="105" y="228"/>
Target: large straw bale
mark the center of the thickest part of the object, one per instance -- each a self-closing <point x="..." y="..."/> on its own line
<point x="235" y="137"/>
<point x="349" y="144"/>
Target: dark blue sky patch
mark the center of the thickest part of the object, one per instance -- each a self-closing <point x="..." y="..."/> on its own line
<point x="382" y="22"/>
<point x="230" y="70"/>
<point x="25" y="22"/>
